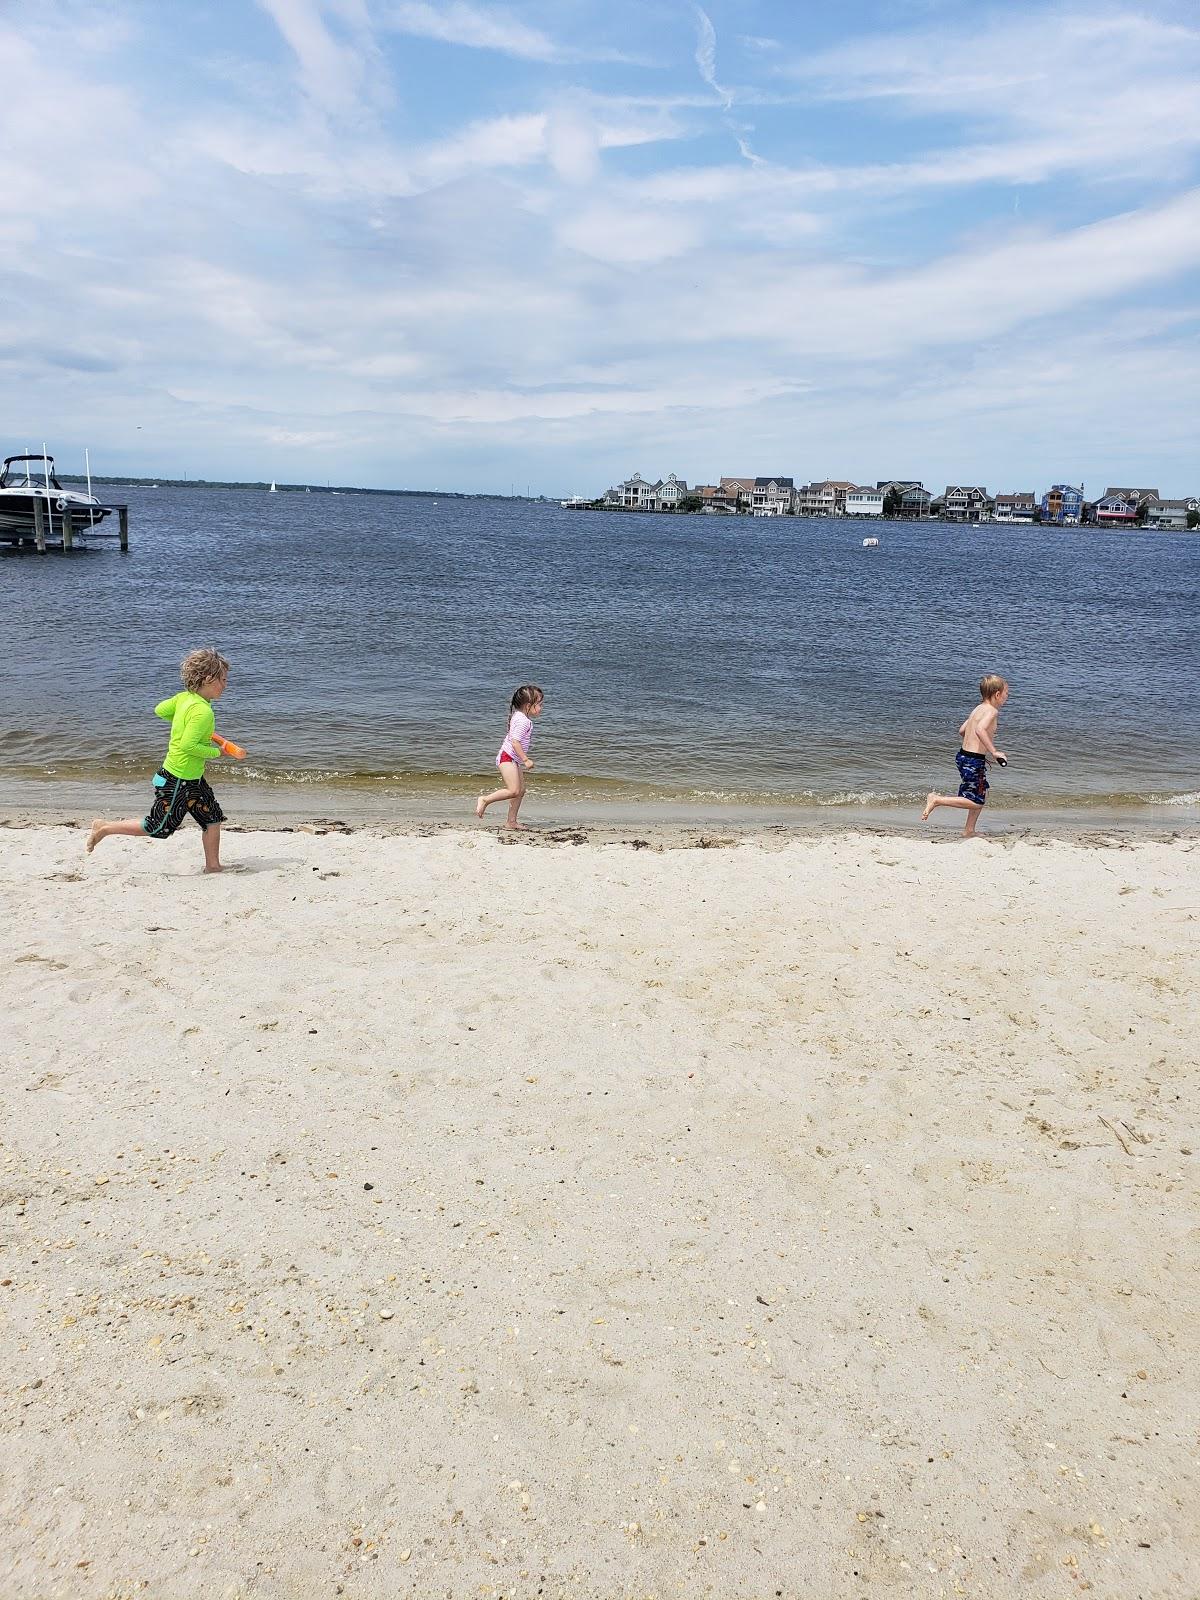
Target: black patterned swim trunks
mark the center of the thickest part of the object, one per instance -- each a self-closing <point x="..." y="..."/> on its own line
<point x="174" y="799"/>
<point x="972" y="772"/>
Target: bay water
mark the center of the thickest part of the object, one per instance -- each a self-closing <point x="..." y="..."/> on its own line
<point x="756" y="667"/>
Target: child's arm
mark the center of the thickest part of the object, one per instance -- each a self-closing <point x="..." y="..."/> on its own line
<point x="984" y="730"/>
<point x="520" y="753"/>
<point x="166" y="708"/>
<point x="195" y="739"/>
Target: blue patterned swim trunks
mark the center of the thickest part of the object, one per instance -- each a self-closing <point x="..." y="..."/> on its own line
<point x="972" y="771"/>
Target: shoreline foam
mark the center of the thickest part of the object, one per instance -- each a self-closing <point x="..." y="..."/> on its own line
<point x="266" y="807"/>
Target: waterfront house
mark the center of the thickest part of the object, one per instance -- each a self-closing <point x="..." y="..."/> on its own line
<point x="1062" y="506"/>
<point x="726" y="497"/>
<point x="1170" y="516"/>
<point x="740" y="492"/>
<point x="829" y="495"/>
<point x="1118" y="507"/>
<point x="1014" y="508"/>
<point x="669" y="493"/>
<point x="816" y="500"/>
<point x="909" y="496"/>
<point x="713" y="498"/>
<point x="965" y="503"/>
<point x="864" y="502"/>
<point x="635" y="494"/>
<point x="773" y="497"/>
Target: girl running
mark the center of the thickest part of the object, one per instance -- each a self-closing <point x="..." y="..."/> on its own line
<point x="513" y="757"/>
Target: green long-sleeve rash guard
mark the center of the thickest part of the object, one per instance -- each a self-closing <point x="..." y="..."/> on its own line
<point x="191" y="719"/>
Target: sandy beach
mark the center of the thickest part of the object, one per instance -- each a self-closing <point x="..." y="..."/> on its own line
<point x="447" y="1215"/>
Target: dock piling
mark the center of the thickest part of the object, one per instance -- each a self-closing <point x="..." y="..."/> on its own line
<point x="123" y="528"/>
<point x="39" y="527"/>
<point x="68" y="528"/>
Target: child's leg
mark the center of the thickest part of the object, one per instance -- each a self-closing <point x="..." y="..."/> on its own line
<point x="130" y="828"/>
<point x="512" y="782"/>
<point x="211" y="837"/>
<point x="958" y="803"/>
<point x="514" y="804"/>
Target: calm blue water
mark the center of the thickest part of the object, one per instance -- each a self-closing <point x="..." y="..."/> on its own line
<point x="376" y="641"/>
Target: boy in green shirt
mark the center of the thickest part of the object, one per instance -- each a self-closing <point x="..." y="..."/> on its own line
<point x="180" y="786"/>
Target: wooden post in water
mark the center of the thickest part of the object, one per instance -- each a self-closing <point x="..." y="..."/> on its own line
<point x="123" y="527"/>
<point x="68" y="519"/>
<point x="39" y="526"/>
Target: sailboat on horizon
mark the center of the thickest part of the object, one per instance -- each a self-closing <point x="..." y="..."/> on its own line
<point x="272" y="489"/>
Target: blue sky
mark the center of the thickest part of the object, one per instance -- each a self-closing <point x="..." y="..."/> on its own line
<point x="449" y="243"/>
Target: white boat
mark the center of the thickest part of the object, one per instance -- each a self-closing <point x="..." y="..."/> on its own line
<point x="29" y="478"/>
<point x="573" y="502"/>
<point x="869" y="544"/>
<point x="272" y="489"/>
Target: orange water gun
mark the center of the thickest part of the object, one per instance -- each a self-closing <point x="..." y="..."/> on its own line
<point x="228" y="748"/>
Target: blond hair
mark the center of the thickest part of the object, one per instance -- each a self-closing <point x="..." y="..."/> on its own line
<point x="990" y="684"/>
<point x="198" y="666"/>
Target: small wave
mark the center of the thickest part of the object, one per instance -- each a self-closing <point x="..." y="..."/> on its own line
<point x="867" y="797"/>
<point x="582" y="788"/>
<point x="800" y="797"/>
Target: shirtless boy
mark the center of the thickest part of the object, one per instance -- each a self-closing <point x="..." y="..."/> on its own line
<point x="977" y="734"/>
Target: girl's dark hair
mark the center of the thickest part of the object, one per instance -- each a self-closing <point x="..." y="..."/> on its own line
<point x="527" y="695"/>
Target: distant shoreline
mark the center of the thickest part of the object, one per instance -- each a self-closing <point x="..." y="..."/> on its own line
<point x="125" y="481"/>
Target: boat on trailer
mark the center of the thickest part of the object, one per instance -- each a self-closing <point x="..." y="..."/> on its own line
<point x="28" y="479"/>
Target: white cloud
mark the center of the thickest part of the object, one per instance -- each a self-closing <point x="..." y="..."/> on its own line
<point x="497" y="142"/>
<point x="624" y="237"/>
<point x="1058" y="91"/>
<point x="339" y="280"/>
<point x="493" y="28"/>
<point x="333" y="71"/>
<point x="831" y="309"/>
<point x="573" y="143"/>
<point x="706" y="56"/>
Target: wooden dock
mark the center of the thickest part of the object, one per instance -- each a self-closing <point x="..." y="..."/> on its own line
<point x="71" y="529"/>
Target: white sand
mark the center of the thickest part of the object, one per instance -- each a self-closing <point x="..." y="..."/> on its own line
<point x="425" y="1216"/>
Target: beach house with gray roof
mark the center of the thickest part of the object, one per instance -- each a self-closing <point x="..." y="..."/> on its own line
<point x="773" y="497"/>
<point x="1171" y="516"/>
<point x="1120" y="508"/>
<point x="864" y="502"/>
<point x="965" y="503"/>
<point x="909" y="497"/>
<point x="1014" y="508"/>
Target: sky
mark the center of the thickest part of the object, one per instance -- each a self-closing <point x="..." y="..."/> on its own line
<point x="455" y="244"/>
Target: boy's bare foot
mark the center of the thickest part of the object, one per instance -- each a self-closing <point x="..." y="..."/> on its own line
<point x="216" y="868"/>
<point x="480" y="808"/>
<point x="517" y="827"/>
<point x="93" y="838"/>
<point x="930" y="805"/>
